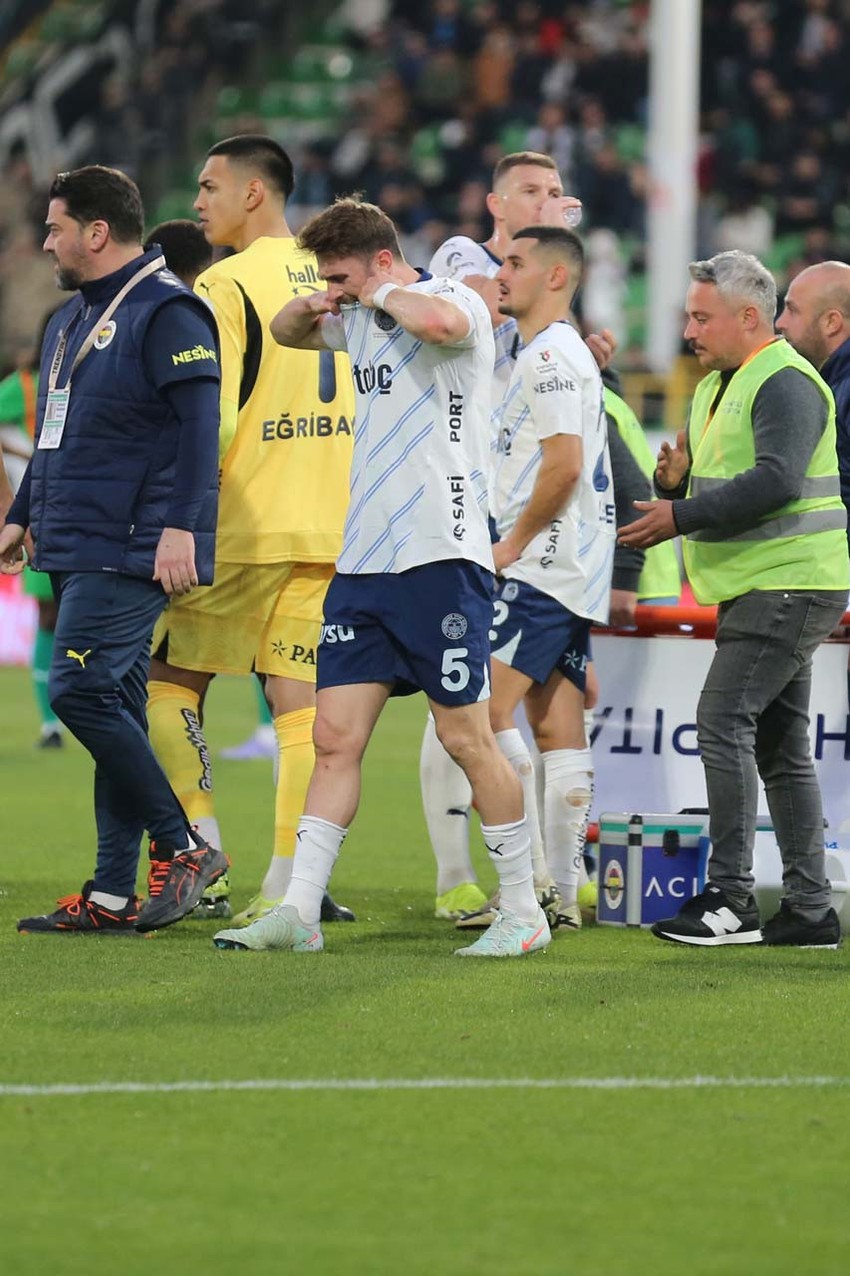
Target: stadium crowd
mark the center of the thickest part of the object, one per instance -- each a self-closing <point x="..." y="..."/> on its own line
<point x="439" y="90"/>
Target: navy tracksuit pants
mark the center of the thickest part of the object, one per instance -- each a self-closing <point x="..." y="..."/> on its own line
<point x="98" y="688"/>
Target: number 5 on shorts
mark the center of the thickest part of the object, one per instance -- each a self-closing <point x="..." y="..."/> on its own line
<point x="454" y="669"/>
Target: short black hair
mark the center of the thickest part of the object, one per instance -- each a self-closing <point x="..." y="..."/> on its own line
<point x="565" y="243"/>
<point x="96" y="193"/>
<point x="262" y="153"/>
<point x="184" y="247"/>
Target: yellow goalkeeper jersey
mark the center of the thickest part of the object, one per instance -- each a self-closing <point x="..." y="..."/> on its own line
<point x="287" y="416"/>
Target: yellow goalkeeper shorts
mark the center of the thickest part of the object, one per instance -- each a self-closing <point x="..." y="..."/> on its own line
<point x="263" y="616"/>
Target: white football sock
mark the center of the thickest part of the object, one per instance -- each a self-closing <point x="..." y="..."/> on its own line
<point x="589" y="728"/>
<point x="446" y="799"/>
<point x="510" y="854"/>
<point x="277" y="877"/>
<point x="207" y="826"/>
<point x="317" y="844"/>
<point x="523" y="726"/>
<point x="516" y="751"/>
<point x="113" y="902"/>
<point x="569" y="790"/>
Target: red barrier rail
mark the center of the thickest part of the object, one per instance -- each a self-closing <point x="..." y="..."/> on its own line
<point x="689" y="621"/>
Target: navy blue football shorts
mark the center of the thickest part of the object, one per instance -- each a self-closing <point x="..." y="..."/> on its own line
<point x="426" y="629"/>
<point x="536" y="635"/>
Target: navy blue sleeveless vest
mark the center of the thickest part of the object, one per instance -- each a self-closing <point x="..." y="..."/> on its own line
<point x="99" y="501"/>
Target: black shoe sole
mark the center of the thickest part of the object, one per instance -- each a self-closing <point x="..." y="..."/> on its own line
<point x="114" y="932"/>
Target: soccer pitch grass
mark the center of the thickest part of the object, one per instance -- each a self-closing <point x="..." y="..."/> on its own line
<point x="709" y="1133"/>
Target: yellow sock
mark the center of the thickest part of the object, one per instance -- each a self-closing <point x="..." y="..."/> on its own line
<point x="179" y="744"/>
<point x="295" y="740"/>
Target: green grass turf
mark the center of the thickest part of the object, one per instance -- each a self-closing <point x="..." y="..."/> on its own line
<point x="686" y="1182"/>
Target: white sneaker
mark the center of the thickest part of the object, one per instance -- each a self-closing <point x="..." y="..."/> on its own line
<point x="567" y="917"/>
<point x="482" y="917"/>
<point x="549" y="899"/>
<point x="510" y="937"/>
<point x="282" y="927"/>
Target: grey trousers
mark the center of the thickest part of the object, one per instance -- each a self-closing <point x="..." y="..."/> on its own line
<point x="753" y="715"/>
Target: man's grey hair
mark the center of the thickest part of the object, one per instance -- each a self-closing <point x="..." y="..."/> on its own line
<point x="739" y="277"/>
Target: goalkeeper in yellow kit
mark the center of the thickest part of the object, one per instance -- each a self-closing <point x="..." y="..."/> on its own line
<point x="287" y="424"/>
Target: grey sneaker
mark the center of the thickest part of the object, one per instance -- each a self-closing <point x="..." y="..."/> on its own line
<point x="176" y="882"/>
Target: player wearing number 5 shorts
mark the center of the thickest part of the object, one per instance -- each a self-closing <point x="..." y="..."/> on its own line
<point x="411" y="604"/>
<point x="286" y="442"/>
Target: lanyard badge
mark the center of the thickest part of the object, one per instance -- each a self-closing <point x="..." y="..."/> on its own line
<point x="55" y="414"/>
<point x="58" y="399"/>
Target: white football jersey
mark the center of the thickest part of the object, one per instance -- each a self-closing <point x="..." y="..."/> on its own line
<point x="419" y="471"/>
<point x="459" y="257"/>
<point x="556" y="389"/>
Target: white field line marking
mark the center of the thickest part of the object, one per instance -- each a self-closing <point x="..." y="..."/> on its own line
<point x="378" y="1084"/>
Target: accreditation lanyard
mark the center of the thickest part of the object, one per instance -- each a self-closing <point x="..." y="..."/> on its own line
<point x="56" y="407"/>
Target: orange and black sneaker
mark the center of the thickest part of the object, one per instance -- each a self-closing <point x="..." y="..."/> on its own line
<point x="177" y="880"/>
<point x="77" y="915"/>
<point x="158" y="870"/>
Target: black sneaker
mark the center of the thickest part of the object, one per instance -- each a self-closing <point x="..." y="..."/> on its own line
<point x="710" y="919"/>
<point x="77" y="915"/>
<point x="790" y="929"/>
<point x="334" y="912"/>
<point x="177" y="881"/>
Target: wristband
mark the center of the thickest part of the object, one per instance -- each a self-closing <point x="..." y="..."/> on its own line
<point x="379" y="296"/>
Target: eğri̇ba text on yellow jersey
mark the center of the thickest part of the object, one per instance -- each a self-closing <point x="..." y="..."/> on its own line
<point x="287" y="415"/>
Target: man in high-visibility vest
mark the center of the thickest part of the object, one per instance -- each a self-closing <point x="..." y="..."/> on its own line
<point x="752" y="485"/>
<point x="658" y="580"/>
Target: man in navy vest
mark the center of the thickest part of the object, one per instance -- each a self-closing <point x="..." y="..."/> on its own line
<point x="120" y="498"/>
<point x="816" y="321"/>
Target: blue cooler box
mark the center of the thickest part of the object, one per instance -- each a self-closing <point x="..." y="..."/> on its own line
<point x="649" y="865"/>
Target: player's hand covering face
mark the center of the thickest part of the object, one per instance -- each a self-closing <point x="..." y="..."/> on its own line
<point x="345" y="277"/>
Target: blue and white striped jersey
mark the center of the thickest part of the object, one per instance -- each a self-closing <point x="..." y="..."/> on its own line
<point x="459" y="257"/>
<point x="556" y="389"/>
<point x="419" y="472"/>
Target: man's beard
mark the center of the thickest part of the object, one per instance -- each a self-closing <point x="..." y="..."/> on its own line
<point x="68" y="279"/>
